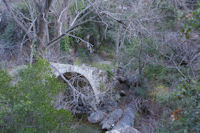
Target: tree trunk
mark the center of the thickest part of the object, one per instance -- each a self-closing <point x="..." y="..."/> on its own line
<point x="42" y="25"/>
<point x="140" y="63"/>
<point x="58" y="32"/>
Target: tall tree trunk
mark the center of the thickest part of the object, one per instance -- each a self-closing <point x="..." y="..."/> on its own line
<point x="58" y="32"/>
<point x="42" y="25"/>
<point x="117" y="46"/>
<point x="41" y="36"/>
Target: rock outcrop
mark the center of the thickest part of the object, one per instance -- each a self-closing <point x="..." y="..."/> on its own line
<point x="96" y="117"/>
<point x="126" y="129"/>
<point x="110" y="120"/>
<point x="119" y="120"/>
<point x="128" y="117"/>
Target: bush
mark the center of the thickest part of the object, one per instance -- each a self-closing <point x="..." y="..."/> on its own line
<point x="9" y="30"/>
<point x="65" y="43"/>
<point x="160" y="94"/>
<point x="141" y="91"/>
<point x="191" y="21"/>
<point x="28" y="106"/>
<point x="92" y="32"/>
<point x="77" y="6"/>
<point x="152" y="71"/>
<point x="185" y="117"/>
<point x="160" y="74"/>
<point x="170" y="13"/>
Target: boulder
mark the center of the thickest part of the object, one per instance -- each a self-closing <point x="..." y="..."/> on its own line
<point x="111" y="119"/>
<point x="108" y="105"/>
<point x="128" y="117"/>
<point x="126" y="129"/>
<point x="96" y="117"/>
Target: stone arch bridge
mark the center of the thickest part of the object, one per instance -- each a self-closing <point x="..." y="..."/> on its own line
<point x="96" y="77"/>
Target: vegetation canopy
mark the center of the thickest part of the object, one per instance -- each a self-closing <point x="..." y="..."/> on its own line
<point x="28" y="105"/>
<point x="115" y="59"/>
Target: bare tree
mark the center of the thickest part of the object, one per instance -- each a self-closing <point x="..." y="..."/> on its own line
<point x="36" y="26"/>
<point x="138" y="20"/>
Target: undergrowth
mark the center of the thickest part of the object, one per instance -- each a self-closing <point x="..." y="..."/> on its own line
<point x="28" y="105"/>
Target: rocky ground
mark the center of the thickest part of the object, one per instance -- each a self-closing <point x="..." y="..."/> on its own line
<point x="116" y="117"/>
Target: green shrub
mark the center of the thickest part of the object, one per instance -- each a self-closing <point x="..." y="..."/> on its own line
<point x="4" y="79"/>
<point x="141" y="91"/>
<point x="170" y="13"/>
<point x="191" y="21"/>
<point x="9" y="30"/>
<point x="160" y="74"/>
<point x="160" y="94"/>
<point x="65" y="43"/>
<point x="186" y="99"/>
<point x="28" y="106"/>
<point x="152" y="71"/>
<point x="77" y="6"/>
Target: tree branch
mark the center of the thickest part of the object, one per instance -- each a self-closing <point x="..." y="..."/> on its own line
<point x="21" y="25"/>
<point x="72" y="26"/>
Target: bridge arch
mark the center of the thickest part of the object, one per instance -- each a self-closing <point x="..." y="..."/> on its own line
<point x="95" y="76"/>
<point x="80" y="82"/>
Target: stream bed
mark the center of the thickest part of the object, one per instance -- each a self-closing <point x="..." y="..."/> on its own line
<point x="82" y="125"/>
<point x="88" y="128"/>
